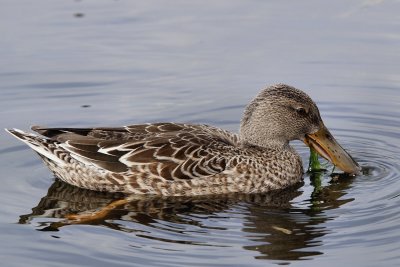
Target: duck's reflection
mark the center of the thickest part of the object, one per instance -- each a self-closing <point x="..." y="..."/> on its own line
<point x="277" y="228"/>
<point x="296" y="233"/>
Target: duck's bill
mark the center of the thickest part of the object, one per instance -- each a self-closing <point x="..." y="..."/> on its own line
<point x="326" y="145"/>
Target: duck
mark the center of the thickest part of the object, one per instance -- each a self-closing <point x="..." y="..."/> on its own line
<point x="181" y="159"/>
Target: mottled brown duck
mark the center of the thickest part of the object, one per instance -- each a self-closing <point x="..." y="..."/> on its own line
<point x="176" y="159"/>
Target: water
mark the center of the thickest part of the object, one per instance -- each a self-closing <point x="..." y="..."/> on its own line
<point x="97" y="63"/>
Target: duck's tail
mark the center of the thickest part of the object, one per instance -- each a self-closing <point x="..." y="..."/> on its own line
<point x="42" y="145"/>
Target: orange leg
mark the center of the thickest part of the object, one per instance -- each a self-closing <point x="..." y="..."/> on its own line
<point x="97" y="215"/>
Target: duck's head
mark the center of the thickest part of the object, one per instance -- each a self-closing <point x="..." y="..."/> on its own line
<point x="281" y="113"/>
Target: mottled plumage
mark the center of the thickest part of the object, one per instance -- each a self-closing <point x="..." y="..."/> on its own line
<point x="185" y="159"/>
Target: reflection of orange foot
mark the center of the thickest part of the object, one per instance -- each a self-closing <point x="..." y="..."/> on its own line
<point x="97" y="215"/>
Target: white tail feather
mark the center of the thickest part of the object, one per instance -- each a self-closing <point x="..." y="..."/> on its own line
<point x="37" y="143"/>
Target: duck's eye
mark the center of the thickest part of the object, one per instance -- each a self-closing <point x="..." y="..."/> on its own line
<point x="301" y="111"/>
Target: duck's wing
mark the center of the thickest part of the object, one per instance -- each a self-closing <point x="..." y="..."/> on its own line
<point x="167" y="150"/>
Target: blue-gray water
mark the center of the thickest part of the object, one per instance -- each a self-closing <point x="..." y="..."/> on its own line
<point x="111" y="63"/>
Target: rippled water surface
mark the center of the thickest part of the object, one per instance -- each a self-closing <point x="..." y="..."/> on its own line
<point x="110" y="63"/>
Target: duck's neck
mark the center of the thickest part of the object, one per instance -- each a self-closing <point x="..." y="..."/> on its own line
<point x="267" y="143"/>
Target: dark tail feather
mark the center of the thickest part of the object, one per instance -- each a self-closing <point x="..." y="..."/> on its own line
<point x="53" y="132"/>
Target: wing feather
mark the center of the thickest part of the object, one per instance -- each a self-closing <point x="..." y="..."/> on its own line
<point x="169" y="150"/>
